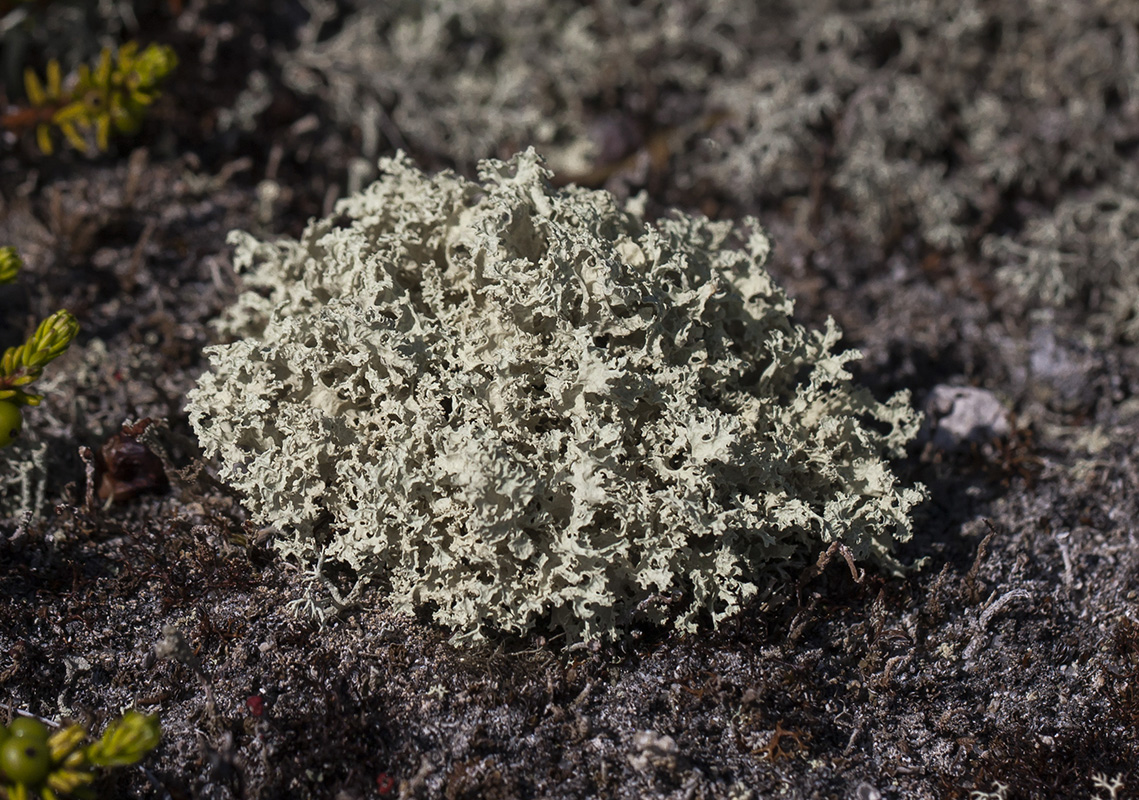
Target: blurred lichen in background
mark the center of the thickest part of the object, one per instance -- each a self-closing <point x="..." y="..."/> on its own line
<point x="891" y="117"/>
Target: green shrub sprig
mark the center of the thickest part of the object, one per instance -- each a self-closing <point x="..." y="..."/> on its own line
<point x="34" y="764"/>
<point x="22" y="365"/>
<point x="88" y="104"/>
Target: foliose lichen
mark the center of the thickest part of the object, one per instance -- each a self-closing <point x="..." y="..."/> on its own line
<point x="518" y="406"/>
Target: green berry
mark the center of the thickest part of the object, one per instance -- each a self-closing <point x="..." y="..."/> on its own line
<point x="25" y="759"/>
<point x="10" y="421"/>
<point x="28" y="728"/>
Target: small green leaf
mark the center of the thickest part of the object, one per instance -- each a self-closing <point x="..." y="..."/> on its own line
<point x="43" y="139"/>
<point x="72" y="135"/>
<point x="36" y="94"/>
<point x="10" y="264"/>
<point x="126" y="740"/>
<point x="54" y="79"/>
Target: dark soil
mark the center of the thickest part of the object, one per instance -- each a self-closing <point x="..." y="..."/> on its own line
<point x="1011" y="656"/>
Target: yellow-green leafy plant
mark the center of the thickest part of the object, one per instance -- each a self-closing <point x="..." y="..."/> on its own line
<point x="22" y="365"/>
<point x="85" y="106"/>
<point x="35" y="763"/>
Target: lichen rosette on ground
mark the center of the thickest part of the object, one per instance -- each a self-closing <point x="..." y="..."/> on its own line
<point x="523" y="406"/>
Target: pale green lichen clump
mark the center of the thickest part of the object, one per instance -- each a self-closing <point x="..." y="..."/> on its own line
<point x="517" y="406"/>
